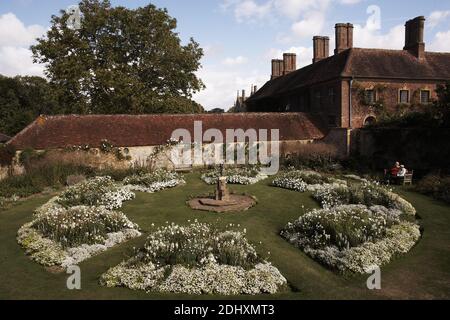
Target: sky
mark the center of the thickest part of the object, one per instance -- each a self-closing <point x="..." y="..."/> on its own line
<point x="240" y="37"/>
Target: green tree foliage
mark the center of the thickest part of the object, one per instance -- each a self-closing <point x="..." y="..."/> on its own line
<point x="121" y="61"/>
<point x="22" y="99"/>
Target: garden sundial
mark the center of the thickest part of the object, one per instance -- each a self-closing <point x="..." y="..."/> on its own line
<point x="223" y="200"/>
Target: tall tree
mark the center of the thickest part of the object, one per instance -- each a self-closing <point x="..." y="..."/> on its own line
<point x="22" y="99"/>
<point x="121" y="61"/>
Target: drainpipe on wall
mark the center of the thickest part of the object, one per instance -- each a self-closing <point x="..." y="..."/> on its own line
<point x="350" y="107"/>
<point x="350" y="114"/>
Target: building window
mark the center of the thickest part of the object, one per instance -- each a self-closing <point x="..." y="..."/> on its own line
<point x="332" y="95"/>
<point x="404" y="96"/>
<point x="370" y="96"/>
<point x="425" y="96"/>
<point x="332" y="121"/>
<point x="370" y="121"/>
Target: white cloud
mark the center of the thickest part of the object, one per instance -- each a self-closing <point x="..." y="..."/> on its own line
<point x="222" y="86"/>
<point x="365" y="37"/>
<point x="251" y="11"/>
<point x="14" y="33"/>
<point x="235" y="61"/>
<point x="311" y="25"/>
<point x="441" y="42"/>
<point x="296" y="8"/>
<point x="349" y="2"/>
<point x="15" y="40"/>
<point x="18" y="61"/>
<point x="437" y="17"/>
<point x="304" y="55"/>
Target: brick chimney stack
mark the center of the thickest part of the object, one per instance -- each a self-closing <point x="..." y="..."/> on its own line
<point x="414" y="37"/>
<point x="344" y="37"/>
<point x="321" y="48"/>
<point x="277" y="68"/>
<point x="289" y="62"/>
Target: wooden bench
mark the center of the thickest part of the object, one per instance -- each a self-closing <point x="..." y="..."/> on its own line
<point x="408" y="179"/>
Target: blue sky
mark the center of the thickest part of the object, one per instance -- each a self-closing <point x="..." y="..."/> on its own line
<point x="240" y="37"/>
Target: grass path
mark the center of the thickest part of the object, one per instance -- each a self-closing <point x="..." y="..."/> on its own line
<point x="423" y="273"/>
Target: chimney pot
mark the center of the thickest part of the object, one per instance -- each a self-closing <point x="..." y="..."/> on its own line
<point x="277" y="68"/>
<point x="290" y="62"/>
<point x="344" y="37"/>
<point x="414" y="37"/>
<point x="321" y="48"/>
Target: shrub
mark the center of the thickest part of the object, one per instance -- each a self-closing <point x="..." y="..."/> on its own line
<point x="75" y="179"/>
<point x="315" y="156"/>
<point x="99" y="191"/>
<point x="352" y="238"/>
<point x="7" y="154"/>
<point x="196" y="259"/>
<point x="435" y="186"/>
<point x="235" y="175"/>
<point x="80" y="225"/>
<point x="366" y="193"/>
<point x="37" y="178"/>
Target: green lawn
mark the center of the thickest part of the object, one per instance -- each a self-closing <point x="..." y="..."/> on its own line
<point x="422" y="274"/>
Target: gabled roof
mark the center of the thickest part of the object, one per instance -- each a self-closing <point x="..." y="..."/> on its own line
<point x="54" y="132"/>
<point x="362" y="63"/>
<point x="4" y="138"/>
<point x="324" y="70"/>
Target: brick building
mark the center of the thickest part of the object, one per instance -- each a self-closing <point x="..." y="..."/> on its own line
<point x="350" y="88"/>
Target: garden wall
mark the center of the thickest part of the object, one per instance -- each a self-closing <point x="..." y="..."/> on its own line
<point x="420" y="149"/>
<point x="141" y="156"/>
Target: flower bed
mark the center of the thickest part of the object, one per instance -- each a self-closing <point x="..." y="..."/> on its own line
<point x="153" y="182"/>
<point x="366" y="193"/>
<point x="99" y="191"/>
<point x="196" y="259"/>
<point x="244" y="176"/>
<point x="353" y="238"/>
<point x="78" y="224"/>
<point x="304" y="180"/>
<point x="5" y="203"/>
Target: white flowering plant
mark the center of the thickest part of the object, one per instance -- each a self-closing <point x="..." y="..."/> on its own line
<point x="196" y="259"/>
<point x="366" y="193"/>
<point x="304" y="180"/>
<point x="235" y="175"/>
<point x="154" y="181"/>
<point x="352" y="238"/>
<point x="79" y="223"/>
<point x="7" y="202"/>
<point x="98" y="191"/>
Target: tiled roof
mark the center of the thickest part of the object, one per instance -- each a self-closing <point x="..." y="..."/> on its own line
<point x="363" y="63"/>
<point x="54" y="132"/>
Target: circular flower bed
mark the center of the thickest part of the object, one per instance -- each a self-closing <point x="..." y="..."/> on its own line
<point x="153" y="182"/>
<point x="304" y="180"/>
<point x="367" y="193"/>
<point x="196" y="259"/>
<point x="353" y="238"/>
<point x="244" y="176"/>
<point x="79" y="223"/>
